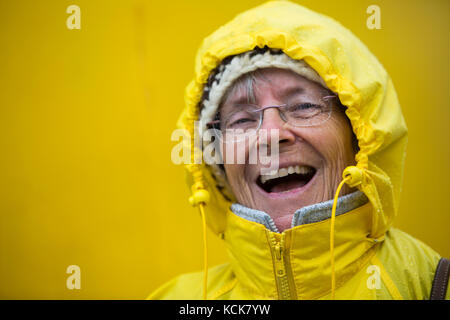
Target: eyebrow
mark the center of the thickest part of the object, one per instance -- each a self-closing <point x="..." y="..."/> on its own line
<point x="284" y="93"/>
<point x="289" y="92"/>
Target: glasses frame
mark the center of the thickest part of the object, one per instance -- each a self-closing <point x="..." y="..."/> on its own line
<point x="261" y="110"/>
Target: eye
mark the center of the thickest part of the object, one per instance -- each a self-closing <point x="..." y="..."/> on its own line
<point x="240" y="122"/>
<point x="304" y="110"/>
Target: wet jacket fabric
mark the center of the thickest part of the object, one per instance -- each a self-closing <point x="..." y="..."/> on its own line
<point x="373" y="260"/>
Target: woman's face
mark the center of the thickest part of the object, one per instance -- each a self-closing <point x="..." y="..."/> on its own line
<point x="317" y="155"/>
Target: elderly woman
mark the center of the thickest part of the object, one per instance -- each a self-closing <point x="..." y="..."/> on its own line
<point x="319" y="225"/>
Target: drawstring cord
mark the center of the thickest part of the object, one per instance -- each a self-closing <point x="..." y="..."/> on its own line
<point x="205" y="251"/>
<point x="353" y="177"/>
<point x="333" y="218"/>
<point x="199" y="198"/>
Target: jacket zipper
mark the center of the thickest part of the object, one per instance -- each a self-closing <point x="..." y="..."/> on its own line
<point x="284" y="292"/>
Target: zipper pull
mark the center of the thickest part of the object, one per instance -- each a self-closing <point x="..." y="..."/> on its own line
<point x="279" y="256"/>
<point x="278" y="251"/>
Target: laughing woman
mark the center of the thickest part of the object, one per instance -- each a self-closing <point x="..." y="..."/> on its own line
<point x="320" y="226"/>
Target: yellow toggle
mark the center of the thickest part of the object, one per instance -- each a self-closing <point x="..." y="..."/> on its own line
<point x="199" y="196"/>
<point x="354" y="176"/>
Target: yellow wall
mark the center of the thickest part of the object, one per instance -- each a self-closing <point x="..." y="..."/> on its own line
<point x="85" y="123"/>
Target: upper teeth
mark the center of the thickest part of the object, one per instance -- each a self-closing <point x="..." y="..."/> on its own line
<point x="282" y="172"/>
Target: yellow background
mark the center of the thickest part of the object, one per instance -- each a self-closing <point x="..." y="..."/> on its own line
<point x="85" y="122"/>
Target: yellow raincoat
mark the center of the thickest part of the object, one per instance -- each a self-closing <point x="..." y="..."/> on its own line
<point x="372" y="259"/>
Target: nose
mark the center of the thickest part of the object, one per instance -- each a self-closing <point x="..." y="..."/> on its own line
<point x="272" y="121"/>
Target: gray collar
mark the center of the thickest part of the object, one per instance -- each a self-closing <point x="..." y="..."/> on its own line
<point x="309" y="214"/>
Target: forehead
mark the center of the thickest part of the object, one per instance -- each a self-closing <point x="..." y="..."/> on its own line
<point x="273" y="83"/>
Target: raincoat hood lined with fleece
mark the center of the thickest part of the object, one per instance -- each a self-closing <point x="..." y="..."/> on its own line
<point x="296" y="263"/>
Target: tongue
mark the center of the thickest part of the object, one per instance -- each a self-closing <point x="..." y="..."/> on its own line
<point x="287" y="184"/>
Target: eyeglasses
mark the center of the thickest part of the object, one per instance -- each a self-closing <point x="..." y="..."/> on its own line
<point x="246" y="121"/>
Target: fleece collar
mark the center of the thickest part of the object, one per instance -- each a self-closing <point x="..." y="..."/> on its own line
<point x="309" y="214"/>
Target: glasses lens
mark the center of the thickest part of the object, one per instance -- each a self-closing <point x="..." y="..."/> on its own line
<point x="307" y="114"/>
<point x="239" y="125"/>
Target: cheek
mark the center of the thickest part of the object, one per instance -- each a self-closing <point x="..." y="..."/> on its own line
<point x="234" y="153"/>
<point x="234" y="156"/>
<point x="234" y="172"/>
<point x="334" y="141"/>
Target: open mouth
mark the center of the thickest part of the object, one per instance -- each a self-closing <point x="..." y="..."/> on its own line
<point x="286" y="179"/>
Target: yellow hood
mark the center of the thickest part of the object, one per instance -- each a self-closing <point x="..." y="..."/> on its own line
<point x="348" y="69"/>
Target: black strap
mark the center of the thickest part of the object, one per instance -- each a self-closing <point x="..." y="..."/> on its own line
<point x="440" y="282"/>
